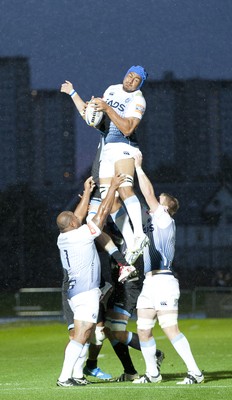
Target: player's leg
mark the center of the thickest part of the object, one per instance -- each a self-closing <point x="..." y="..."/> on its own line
<point x="96" y="342"/>
<point x="124" y="305"/>
<point x="145" y="324"/>
<point x="127" y="194"/>
<point x="120" y="349"/>
<point x="85" y="307"/>
<point x="117" y="159"/>
<point x="122" y="352"/>
<point x="169" y="324"/>
<point x="133" y="207"/>
<point x="121" y="219"/>
<point x="167" y="288"/>
<point x="82" y="331"/>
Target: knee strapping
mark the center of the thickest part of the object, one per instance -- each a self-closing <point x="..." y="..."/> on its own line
<point x="118" y="325"/>
<point x="99" y="336"/>
<point x="108" y="324"/>
<point x="146" y="323"/>
<point x="104" y="188"/>
<point x="129" y="181"/>
<point x="167" y="320"/>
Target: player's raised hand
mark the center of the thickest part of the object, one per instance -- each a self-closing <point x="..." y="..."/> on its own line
<point x="138" y="157"/>
<point x="66" y="87"/>
<point x="89" y="184"/>
<point x="117" y="180"/>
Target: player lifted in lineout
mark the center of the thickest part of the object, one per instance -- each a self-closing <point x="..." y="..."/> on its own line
<point x="123" y="107"/>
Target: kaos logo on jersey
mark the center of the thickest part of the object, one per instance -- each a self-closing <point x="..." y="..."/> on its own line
<point x="148" y="227"/>
<point x="116" y="104"/>
<point x="91" y="228"/>
<point x="126" y="153"/>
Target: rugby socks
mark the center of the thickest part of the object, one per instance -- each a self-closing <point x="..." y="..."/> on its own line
<point x="94" y="350"/>
<point x="118" y="257"/>
<point x="72" y="352"/>
<point x="181" y="345"/>
<point x="123" y="354"/>
<point x="134" y="210"/>
<point x="148" y="350"/>
<point x="121" y="220"/>
<point x="91" y="364"/>
<point x="78" y="367"/>
<point x="133" y="341"/>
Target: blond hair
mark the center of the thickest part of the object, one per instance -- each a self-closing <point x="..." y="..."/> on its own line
<point x="172" y="203"/>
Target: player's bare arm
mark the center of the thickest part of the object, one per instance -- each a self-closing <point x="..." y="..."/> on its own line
<point x="145" y="184"/>
<point x="125" y="125"/>
<point x="106" y="205"/>
<point x="67" y="87"/>
<point x="82" y="208"/>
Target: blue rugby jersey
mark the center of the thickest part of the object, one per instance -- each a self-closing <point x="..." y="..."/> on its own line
<point x="161" y="230"/>
<point x="126" y="105"/>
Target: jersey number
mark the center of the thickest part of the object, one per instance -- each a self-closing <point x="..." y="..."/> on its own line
<point x="66" y="255"/>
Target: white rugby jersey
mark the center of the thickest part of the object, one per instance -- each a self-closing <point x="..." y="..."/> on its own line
<point x="80" y="258"/>
<point x="126" y="105"/>
<point x="161" y="230"/>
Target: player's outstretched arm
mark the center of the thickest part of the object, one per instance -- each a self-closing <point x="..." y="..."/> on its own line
<point x="106" y="205"/>
<point x="82" y="208"/>
<point x="145" y="184"/>
<point x="67" y="87"/>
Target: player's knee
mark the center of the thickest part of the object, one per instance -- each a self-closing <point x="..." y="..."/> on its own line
<point x="145" y="323"/>
<point x="167" y="320"/>
<point x="108" y="324"/>
<point x="71" y="331"/>
<point x="121" y="336"/>
<point x="118" y="325"/>
<point x="99" y="336"/>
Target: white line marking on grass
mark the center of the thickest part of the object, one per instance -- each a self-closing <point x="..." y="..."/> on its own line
<point x="97" y="387"/>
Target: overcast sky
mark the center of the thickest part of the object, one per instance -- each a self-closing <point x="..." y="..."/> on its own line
<point x="93" y="43"/>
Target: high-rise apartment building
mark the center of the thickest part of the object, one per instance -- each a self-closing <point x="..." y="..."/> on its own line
<point x="187" y="125"/>
<point x="53" y="123"/>
<point x="225" y="104"/>
<point x="37" y="130"/>
<point x="15" y="121"/>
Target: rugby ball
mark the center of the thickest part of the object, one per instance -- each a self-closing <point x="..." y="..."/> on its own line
<point x="92" y="116"/>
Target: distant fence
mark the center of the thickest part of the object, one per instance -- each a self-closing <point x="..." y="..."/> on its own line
<point x="205" y="302"/>
<point x="38" y="302"/>
<point x="209" y="302"/>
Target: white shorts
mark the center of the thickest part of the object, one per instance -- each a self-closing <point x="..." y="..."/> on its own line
<point x="160" y="292"/>
<point x="85" y="305"/>
<point x="111" y="153"/>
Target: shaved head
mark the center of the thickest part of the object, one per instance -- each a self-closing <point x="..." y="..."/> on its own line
<point x="63" y="220"/>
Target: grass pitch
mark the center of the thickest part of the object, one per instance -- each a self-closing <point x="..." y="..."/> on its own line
<point x="31" y="357"/>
